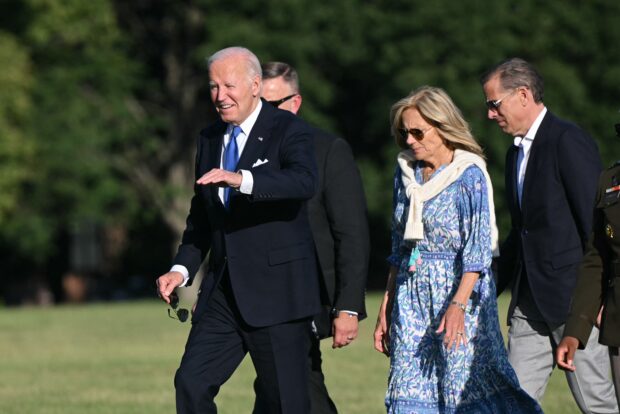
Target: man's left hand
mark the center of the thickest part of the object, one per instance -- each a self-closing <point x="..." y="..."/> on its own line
<point x="221" y="178"/>
<point x="344" y="329"/>
<point x="167" y="283"/>
<point x="565" y="353"/>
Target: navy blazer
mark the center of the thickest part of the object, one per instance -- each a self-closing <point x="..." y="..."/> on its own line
<point x="264" y="239"/>
<point x="550" y="230"/>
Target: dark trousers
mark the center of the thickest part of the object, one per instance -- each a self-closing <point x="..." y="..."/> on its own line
<point x="219" y="341"/>
<point x="320" y="401"/>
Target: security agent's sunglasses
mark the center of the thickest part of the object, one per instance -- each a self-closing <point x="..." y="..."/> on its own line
<point x="281" y="101"/>
<point x="181" y="313"/>
<point x="416" y="133"/>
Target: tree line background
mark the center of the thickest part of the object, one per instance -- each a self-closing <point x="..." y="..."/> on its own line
<point x="101" y="102"/>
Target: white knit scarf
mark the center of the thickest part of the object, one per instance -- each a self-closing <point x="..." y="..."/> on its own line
<point x="418" y="194"/>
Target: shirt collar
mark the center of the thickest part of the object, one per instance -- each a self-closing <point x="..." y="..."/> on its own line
<point x="248" y="124"/>
<point x="531" y="133"/>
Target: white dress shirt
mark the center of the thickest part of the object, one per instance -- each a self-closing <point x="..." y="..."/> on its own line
<point x="525" y="145"/>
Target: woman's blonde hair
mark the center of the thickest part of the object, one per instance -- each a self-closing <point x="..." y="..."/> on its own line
<point x="436" y="107"/>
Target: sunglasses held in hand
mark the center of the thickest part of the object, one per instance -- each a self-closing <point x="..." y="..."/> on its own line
<point x="181" y="313"/>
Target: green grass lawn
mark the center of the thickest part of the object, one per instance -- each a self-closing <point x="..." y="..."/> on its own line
<point x="121" y="358"/>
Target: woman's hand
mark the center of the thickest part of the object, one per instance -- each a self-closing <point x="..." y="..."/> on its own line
<point x="382" y="329"/>
<point x="453" y="321"/>
<point x="453" y="326"/>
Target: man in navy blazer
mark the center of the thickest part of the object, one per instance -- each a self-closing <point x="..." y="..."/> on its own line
<point x="551" y="176"/>
<point x="261" y="285"/>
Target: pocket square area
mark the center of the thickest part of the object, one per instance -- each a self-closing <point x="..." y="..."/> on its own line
<point x="260" y="162"/>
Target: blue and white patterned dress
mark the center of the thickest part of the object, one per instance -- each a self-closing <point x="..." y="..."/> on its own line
<point x="425" y="377"/>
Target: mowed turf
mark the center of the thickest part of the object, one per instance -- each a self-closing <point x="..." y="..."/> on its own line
<point x="121" y="358"/>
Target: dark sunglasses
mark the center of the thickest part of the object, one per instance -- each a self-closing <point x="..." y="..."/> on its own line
<point x="493" y="105"/>
<point x="181" y="313"/>
<point x="617" y="126"/>
<point x="416" y="133"/>
<point x="281" y="101"/>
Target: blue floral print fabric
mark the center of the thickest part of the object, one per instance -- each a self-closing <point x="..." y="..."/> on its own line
<point x="425" y="377"/>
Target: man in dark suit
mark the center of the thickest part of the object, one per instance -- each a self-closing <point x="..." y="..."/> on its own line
<point x="340" y="228"/>
<point x="551" y="175"/>
<point x="597" y="296"/>
<point x="255" y="170"/>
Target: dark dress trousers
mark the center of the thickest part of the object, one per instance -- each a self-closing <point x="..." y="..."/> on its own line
<point x="339" y="223"/>
<point x="551" y="227"/>
<point x="599" y="276"/>
<point x="261" y="284"/>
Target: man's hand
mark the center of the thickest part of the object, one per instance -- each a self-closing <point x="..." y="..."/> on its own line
<point x="344" y="328"/>
<point x="221" y="178"/>
<point x="167" y="283"/>
<point x="565" y="353"/>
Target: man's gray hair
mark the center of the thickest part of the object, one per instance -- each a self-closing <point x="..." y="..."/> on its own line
<point x="514" y="73"/>
<point x="253" y="64"/>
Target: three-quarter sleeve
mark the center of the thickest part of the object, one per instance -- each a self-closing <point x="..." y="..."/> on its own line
<point x="399" y="214"/>
<point x="475" y="222"/>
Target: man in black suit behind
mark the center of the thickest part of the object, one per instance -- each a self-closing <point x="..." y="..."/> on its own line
<point x="261" y="285"/>
<point x="551" y="176"/>
<point x="340" y="228"/>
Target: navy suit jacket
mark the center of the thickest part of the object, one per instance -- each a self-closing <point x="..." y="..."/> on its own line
<point x="551" y="227"/>
<point x="263" y="239"/>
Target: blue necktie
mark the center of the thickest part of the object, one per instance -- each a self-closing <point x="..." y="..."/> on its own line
<point x="231" y="157"/>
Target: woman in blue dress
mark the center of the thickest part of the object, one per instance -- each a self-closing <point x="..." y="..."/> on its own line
<point x="438" y="321"/>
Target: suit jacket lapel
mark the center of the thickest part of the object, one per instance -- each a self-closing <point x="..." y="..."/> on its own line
<point x="258" y="139"/>
<point x="535" y="159"/>
<point x="213" y="154"/>
<point x="254" y="146"/>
